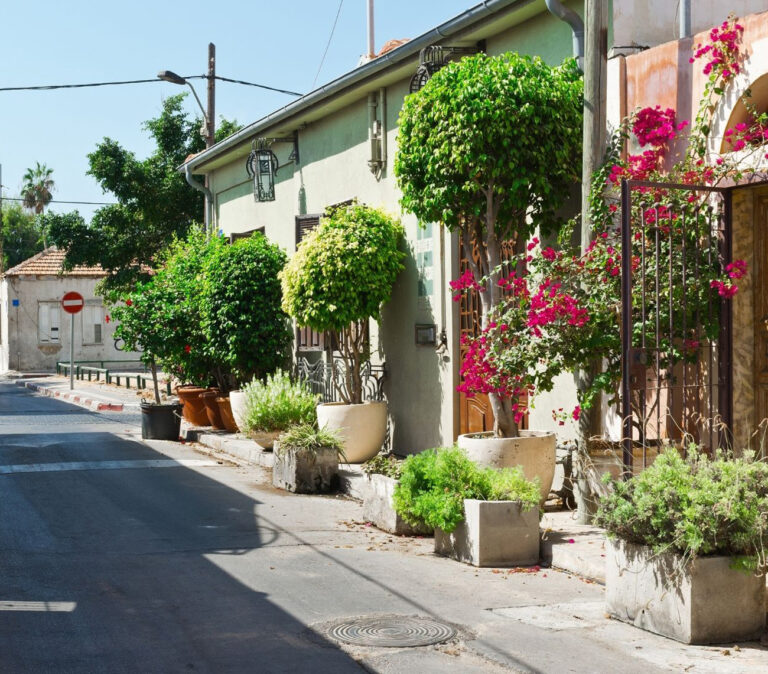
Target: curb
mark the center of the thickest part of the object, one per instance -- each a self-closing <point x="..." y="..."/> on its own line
<point x="72" y="397"/>
<point x="247" y="451"/>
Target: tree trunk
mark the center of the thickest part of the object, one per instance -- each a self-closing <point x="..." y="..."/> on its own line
<point x="153" y="368"/>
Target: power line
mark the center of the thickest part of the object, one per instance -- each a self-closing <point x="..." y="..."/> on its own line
<point x="61" y="201"/>
<point x="330" y="37"/>
<point x="49" y="87"/>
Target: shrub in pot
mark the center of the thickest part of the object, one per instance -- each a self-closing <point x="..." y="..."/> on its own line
<point x="382" y="473"/>
<point x="482" y="516"/>
<point x="273" y="405"/>
<point x="338" y="279"/>
<point x="686" y="551"/>
<point x="307" y="460"/>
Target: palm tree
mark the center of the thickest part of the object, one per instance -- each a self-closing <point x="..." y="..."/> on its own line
<point x="37" y="190"/>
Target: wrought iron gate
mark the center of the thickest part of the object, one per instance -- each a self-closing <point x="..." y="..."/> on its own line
<point x="676" y="325"/>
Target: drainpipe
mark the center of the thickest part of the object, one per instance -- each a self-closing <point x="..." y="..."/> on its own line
<point x="383" y="127"/>
<point x="576" y="24"/>
<point x="685" y="19"/>
<point x="208" y="199"/>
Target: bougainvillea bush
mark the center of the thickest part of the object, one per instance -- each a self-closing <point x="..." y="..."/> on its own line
<point x="561" y="308"/>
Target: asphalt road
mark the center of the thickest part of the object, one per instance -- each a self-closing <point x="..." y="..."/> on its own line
<point x="105" y="555"/>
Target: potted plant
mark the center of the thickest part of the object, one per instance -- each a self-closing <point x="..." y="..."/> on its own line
<point x="481" y="516"/>
<point x="307" y="460"/>
<point x="247" y="334"/>
<point x="685" y="555"/>
<point x="273" y="405"/>
<point x="464" y="142"/>
<point x="338" y="279"/>
<point x="141" y="327"/>
<point x="382" y="474"/>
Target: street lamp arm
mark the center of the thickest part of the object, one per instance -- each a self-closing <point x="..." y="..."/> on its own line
<point x="197" y="98"/>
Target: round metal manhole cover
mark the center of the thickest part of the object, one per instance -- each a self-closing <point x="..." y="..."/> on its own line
<point x="391" y="631"/>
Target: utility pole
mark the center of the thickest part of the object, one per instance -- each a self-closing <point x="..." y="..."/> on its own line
<point x="211" y="135"/>
<point x="2" y="235"/>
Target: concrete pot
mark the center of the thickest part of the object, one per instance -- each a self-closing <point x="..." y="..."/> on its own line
<point x="304" y="472"/>
<point x="533" y="451"/>
<point x="380" y="511"/>
<point x="237" y="403"/>
<point x="363" y="428"/>
<point x="703" y="602"/>
<point x="493" y="533"/>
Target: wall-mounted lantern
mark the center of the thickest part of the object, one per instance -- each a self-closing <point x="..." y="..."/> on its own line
<point x="262" y="165"/>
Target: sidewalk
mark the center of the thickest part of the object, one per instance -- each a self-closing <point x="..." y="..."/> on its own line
<point x="93" y="395"/>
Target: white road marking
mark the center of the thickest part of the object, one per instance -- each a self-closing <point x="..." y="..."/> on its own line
<point x="103" y="465"/>
<point x="44" y="606"/>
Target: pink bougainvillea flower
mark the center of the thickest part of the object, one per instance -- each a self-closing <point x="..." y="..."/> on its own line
<point x="106" y="318"/>
<point x="128" y="302"/>
<point x="187" y="348"/>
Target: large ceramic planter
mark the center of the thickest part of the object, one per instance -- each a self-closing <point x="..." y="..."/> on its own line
<point x="212" y="409"/>
<point x="533" y="451"/>
<point x="237" y="404"/>
<point x="703" y="602"/>
<point x="160" y="422"/>
<point x="194" y="407"/>
<point x="380" y="511"/>
<point x="304" y="472"/>
<point x="225" y="411"/>
<point x="493" y="533"/>
<point x="363" y="428"/>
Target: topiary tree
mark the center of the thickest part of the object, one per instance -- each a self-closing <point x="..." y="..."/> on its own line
<point x="489" y="147"/>
<point x="246" y="331"/>
<point x="339" y="277"/>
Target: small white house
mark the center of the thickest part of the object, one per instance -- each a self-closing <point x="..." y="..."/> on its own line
<point x="35" y="330"/>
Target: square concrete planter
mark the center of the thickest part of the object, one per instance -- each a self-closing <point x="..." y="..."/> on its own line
<point x="706" y="602"/>
<point x="379" y="509"/>
<point x="493" y="533"/>
<point x="306" y="472"/>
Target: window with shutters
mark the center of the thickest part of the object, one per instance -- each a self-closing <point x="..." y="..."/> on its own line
<point x="93" y="322"/>
<point x="48" y="323"/>
<point x="235" y="236"/>
<point x="306" y="338"/>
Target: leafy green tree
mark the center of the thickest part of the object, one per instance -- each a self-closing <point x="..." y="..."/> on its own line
<point x="154" y="201"/>
<point x="489" y="147"/>
<point x="21" y="237"/>
<point x="339" y="277"/>
<point x="247" y="333"/>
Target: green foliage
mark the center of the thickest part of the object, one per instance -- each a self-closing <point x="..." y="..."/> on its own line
<point x="245" y="329"/>
<point x="694" y="506"/>
<point x="340" y="276"/>
<point x="37" y="190"/>
<point x="384" y="464"/>
<point x="434" y="484"/>
<point x="308" y="438"/>
<point x="155" y="203"/>
<point x="506" y="127"/>
<point x="277" y="403"/>
<point x="344" y="270"/>
<point x="21" y="236"/>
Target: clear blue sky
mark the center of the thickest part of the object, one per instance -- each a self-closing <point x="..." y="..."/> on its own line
<point x="274" y="43"/>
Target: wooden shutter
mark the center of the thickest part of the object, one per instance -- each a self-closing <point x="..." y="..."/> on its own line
<point x="306" y="338"/>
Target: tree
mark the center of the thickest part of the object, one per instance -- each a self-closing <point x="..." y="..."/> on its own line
<point x="489" y="147"/>
<point x="21" y="238"/>
<point x="37" y="191"/>
<point x="154" y="201"/>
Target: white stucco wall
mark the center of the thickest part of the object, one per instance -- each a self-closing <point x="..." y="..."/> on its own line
<point x="21" y="349"/>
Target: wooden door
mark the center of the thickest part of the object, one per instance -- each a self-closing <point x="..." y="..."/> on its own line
<point x="761" y="307"/>
<point x="475" y="414"/>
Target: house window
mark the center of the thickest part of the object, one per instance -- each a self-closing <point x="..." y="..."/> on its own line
<point x="93" y="321"/>
<point x="235" y="236"/>
<point x="48" y="322"/>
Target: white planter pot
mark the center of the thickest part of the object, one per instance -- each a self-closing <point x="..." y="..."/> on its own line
<point x="708" y="602"/>
<point x="379" y="510"/>
<point x="533" y="451"/>
<point x="493" y="533"/>
<point x="237" y="402"/>
<point x="363" y="428"/>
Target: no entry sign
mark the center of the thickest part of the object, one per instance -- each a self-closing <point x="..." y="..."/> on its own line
<point x="72" y="302"/>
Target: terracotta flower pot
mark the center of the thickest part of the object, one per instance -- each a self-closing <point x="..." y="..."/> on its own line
<point x="212" y="409"/>
<point x="225" y="410"/>
<point x="194" y="406"/>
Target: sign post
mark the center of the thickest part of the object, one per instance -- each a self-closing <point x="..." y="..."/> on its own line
<point x="72" y="303"/>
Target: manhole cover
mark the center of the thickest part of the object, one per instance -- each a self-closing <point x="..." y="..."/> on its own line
<point x="391" y="631"/>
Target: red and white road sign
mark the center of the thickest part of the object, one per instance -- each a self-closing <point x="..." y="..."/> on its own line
<point x="72" y="302"/>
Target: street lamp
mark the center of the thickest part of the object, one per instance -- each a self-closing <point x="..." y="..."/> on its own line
<point x="206" y="130"/>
